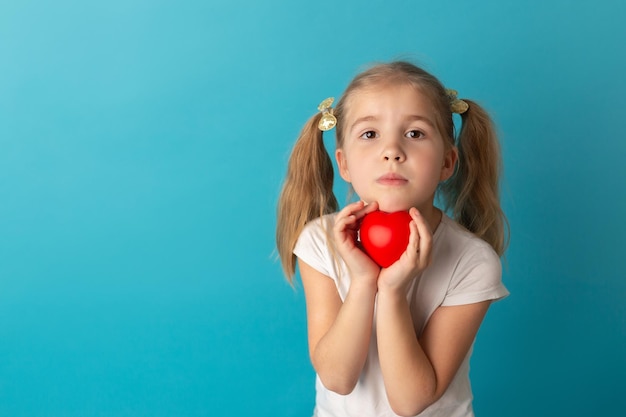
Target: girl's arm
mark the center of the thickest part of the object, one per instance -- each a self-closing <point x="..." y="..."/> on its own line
<point x="339" y="333"/>
<point x="416" y="371"/>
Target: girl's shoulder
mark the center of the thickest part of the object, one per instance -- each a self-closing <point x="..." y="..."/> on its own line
<point x="316" y="232"/>
<point x="319" y="226"/>
<point x="314" y="245"/>
<point x="475" y="267"/>
<point x="324" y="222"/>
<point x="454" y="235"/>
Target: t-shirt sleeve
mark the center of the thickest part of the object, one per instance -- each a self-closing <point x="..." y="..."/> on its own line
<point x="311" y="247"/>
<point x="478" y="278"/>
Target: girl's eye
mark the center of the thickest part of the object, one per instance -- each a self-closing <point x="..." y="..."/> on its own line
<point x="416" y="134"/>
<point x="370" y="134"/>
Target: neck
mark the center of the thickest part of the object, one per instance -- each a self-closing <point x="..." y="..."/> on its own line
<point x="432" y="215"/>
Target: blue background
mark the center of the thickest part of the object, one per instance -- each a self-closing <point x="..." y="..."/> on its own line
<point x="142" y="149"/>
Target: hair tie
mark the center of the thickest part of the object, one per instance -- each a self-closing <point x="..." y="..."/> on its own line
<point x="328" y="120"/>
<point x="456" y="104"/>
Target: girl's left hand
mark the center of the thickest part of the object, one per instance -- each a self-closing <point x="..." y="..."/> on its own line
<point x="414" y="260"/>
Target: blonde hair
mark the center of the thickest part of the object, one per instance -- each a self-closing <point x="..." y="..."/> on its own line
<point x="471" y="194"/>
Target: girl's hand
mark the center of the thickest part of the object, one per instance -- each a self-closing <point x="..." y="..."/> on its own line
<point x="347" y="223"/>
<point x="414" y="260"/>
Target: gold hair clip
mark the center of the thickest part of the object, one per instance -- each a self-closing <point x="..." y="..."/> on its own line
<point x="456" y="105"/>
<point x="328" y="120"/>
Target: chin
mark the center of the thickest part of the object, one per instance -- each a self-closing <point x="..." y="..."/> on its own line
<point x="393" y="207"/>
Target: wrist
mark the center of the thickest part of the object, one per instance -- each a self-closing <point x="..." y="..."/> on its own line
<point x="364" y="286"/>
<point x="392" y="293"/>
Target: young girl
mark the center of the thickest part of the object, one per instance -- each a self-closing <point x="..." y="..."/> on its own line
<point x="396" y="340"/>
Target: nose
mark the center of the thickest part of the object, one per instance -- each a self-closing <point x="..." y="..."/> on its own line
<point x="393" y="152"/>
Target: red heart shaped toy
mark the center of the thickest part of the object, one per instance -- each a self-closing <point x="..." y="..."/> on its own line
<point x="385" y="236"/>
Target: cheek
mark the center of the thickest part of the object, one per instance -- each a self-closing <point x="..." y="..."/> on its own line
<point x="350" y="163"/>
<point x="353" y="172"/>
<point x="430" y="161"/>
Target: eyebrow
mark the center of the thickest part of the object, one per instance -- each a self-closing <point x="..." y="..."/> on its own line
<point x="412" y="117"/>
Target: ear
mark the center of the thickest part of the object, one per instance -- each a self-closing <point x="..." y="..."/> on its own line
<point x="449" y="163"/>
<point x="342" y="165"/>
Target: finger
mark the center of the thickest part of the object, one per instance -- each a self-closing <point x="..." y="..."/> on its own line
<point x="414" y="241"/>
<point x="346" y="216"/>
<point x="344" y="223"/>
<point x="425" y="237"/>
<point x="351" y="208"/>
<point x="366" y="209"/>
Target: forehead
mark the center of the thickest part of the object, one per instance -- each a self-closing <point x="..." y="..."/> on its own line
<point x="387" y="99"/>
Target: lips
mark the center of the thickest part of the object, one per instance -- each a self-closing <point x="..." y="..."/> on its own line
<point x="392" y="179"/>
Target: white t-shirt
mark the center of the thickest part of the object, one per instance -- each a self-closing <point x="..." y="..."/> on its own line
<point x="464" y="270"/>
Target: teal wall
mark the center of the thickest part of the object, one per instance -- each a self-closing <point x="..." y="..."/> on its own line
<point x="142" y="147"/>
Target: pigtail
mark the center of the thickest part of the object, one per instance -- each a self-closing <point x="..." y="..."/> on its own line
<point x="472" y="193"/>
<point x="307" y="192"/>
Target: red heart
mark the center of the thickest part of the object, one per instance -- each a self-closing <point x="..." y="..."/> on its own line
<point x="385" y="236"/>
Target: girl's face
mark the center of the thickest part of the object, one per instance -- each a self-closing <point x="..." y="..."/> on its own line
<point x="392" y="152"/>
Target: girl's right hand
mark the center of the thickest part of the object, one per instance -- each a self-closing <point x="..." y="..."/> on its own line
<point x="347" y="224"/>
